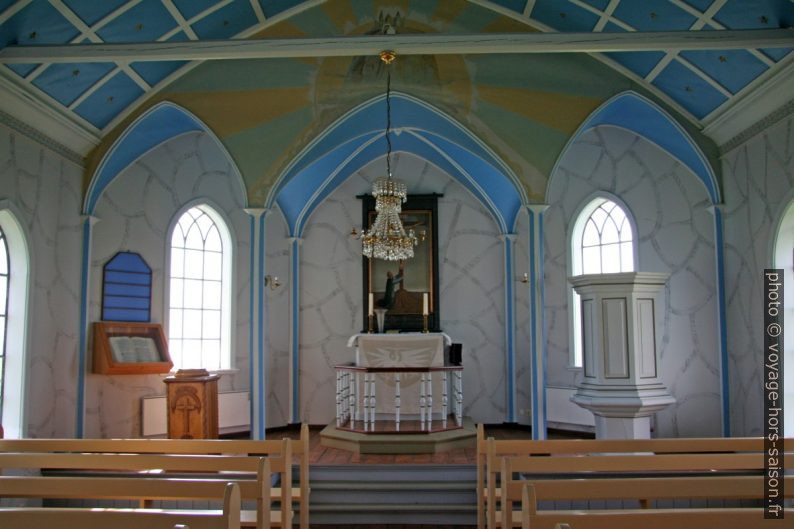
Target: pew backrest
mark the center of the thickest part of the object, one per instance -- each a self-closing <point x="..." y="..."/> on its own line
<point x="80" y="518"/>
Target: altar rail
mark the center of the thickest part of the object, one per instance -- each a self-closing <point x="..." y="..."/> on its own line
<point x="348" y="387"/>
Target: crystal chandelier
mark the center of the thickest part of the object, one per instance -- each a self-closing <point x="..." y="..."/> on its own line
<point x="387" y="238"/>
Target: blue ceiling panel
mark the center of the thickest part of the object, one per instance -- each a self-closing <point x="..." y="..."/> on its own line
<point x="105" y="104"/>
<point x="639" y="62"/>
<point x="513" y="5"/>
<point x="65" y="82"/>
<point x="191" y="8"/>
<point x="733" y="69"/>
<point x="274" y="7"/>
<point x="91" y="11"/>
<point x="688" y="89"/>
<point x="702" y="5"/>
<point x="38" y="23"/>
<point x="154" y="72"/>
<point x="598" y="4"/>
<point x="226" y="22"/>
<point x="654" y="16"/>
<point x="765" y="14"/>
<point x="564" y="16"/>
<point x="145" y="22"/>
<point x="777" y="54"/>
<point x="22" y="69"/>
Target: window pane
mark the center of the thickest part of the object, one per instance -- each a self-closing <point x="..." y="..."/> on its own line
<point x="191" y="323"/>
<point x="212" y="265"/>
<point x="191" y="354"/>
<point x="625" y="231"/>
<point x="3" y="255"/>
<point x="178" y="237"/>
<point x="212" y="325"/>
<point x="194" y="264"/>
<point x="175" y="298"/>
<point x="194" y="239"/>
<point x="193" y="289"/>
<point x="610" y="259"/>
<point x="610" y="232"/>
<point x="212" y="295"/>
<point x="591" y="260"/>
<point x="175" y="350"/>
<point x="204" y="223"/>
<point x="177" y="262"/>
<point x="590" y="236"/>
<point x="174" y="324"/>
<point x="626" y="257"/>
<point x="3" y="295"/>
<point x="599" y="216"/>
<point x="212" y="354"/>
<point x="213" y="242"/>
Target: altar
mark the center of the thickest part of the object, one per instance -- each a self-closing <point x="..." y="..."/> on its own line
<point x="399" y="379"/>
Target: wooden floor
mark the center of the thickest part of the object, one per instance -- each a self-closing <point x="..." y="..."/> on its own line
<point x="322" y="455"/>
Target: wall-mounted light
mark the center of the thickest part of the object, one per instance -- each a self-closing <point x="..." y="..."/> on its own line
<point x="272" y="282"/>
<point x="524" y="278"/>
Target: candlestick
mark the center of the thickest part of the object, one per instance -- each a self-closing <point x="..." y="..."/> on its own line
<point x="425" y="310"/>
<point x="371" y="303"/>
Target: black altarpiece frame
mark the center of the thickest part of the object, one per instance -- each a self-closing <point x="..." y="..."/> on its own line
<point x="418" y="211"/>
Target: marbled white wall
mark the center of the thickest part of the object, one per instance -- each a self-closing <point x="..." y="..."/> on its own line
<point x="758" y="178"/>
<point x="676" y="235"/>
<point x="44" y="191"/>
<point x="134" y="214"/>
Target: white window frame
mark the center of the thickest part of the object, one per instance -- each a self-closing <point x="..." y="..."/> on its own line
<point x="782" y="240"/>
<point x="228" y="262"/>
<point x="15" y="381"/>
<point x="575" y="232"/>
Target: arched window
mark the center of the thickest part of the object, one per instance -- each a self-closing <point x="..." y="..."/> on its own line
<point x="200" y="291"/>
<point x="602" y="242"/>
<point x="783" y="258"/>
<point x="14" y="270"/>
<point x="5" y="272"/>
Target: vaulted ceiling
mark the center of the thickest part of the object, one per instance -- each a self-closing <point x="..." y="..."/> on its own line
<point x="92" y="98"/>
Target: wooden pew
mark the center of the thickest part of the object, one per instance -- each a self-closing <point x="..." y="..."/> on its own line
<point x="82" y="518"/>
<point x="142" y="489"/>
<point x="490" y="452"/>
<point x="299" y="448"/>
<point x="703" y="488"/>
<point x="242" y="470"/>
<point x="598" y="468"/>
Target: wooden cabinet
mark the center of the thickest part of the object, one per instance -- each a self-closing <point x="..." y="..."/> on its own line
<point x="192" y="404"/>
<point x="127" y="348"/>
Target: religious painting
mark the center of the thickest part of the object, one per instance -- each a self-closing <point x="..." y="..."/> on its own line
<point x="406" y="288"/>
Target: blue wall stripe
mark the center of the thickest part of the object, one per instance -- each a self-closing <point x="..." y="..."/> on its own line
<point x="261" y="325"/>
<point x="295" y="279"/>
<point x="81" y="353"/>
<point x="509" y="321"/>
<point x="726" y="396"/>
<point x="543" y="351"/>
<point x="251" y="327"/>
<point x="533" y="323"/>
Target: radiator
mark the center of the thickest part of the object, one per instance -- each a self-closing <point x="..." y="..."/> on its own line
<point x="233" y="414"/>
<point x="564" y="414"/>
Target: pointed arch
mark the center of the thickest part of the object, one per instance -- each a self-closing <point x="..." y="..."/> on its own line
<point x="17" y="265"/>
<point x="358" y="138"/>
<point x="163" y="122"/>
<point x="638" y="114"/>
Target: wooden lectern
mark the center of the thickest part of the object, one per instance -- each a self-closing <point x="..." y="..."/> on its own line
<point x="192" y="404"/>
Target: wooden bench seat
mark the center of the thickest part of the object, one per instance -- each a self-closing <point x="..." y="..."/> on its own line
<point x="642" y="491"/>
<point x="490" y="453"/>
<point x="245" y="471"/>
<point x="82" y="518"/>
<point x="227" y="447"/>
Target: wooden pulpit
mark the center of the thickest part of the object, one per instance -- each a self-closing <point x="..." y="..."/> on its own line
<point x="192" y="404"/>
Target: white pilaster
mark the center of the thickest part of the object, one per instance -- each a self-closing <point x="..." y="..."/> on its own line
<point x="537" y="319"/>
<point x="256" y="336"/>
<point x="294" y="328"/>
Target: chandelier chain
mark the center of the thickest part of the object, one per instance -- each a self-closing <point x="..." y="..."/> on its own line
<point x="388" y="122"/>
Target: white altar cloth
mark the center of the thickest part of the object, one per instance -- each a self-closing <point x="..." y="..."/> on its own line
<point x="400" y="350"/>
